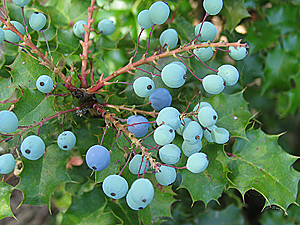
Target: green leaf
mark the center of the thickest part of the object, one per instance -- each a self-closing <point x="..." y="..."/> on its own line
<point x="209" y="184"/>
<point x="280" y="66"/>
<point x="40" y="178"/>
<point x="5" y="192"/>
<point x="261" y="164"/>
<point x="6" y="90"/>
<point x="222" y="217"/>
<point x="67" y="42"/>
<point x="160" y="205"/>
<point x="33" y="107"/>
<point x="234" y="12"/>
<point x="25" y="71"/>
<point x="89" y="209"/>
<point x="233" y="113"/>
<point x="184" y="29"/>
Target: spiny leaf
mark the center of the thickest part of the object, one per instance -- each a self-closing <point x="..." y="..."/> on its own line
<point x="5" y="192"/>
<point x="232" y="111"/>
<point x="39" y="178"/>
<point x="88" y="209"/>
<point x="261" y="164"/>
<point x="234" y="12"/>
<point x="33" y="107"/>
<point x="25" y="71"/>
<point x="209" y="184"/>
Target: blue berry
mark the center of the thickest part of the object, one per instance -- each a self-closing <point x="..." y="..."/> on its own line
<point x="142" y="191"/>
<point x="143" y="86"/>
<point x="7" y="163"/>
<point x="8" y="121"/>
<point x="97" y="157"/>
<point x="66" y="140"/>
<point x="164" y="135"/>
<point x="159" y="12"/>
<point x="144" y="19"/>
<point x="190" y="149"/>
<point x="169" y="38"/>
<point x="173" y="75"/>
<point x="207" y="116"/>
<point x="115" y="186"/>
<point x="204" y="54"/>
<point x="170" y="153"/>
<point x="78" y="28"/>
<point x="167" y="175"/>
<point x="106" y="26"/>
<point x="11" y="36"/>
<point x="229" y="73"/>
<point x="213" y="84"/>
<point x="37" y="21"/>
<point x="136" y="165"/>
<point x="197" y="162"/>
<point x="213" y="7"/>
<point x="21" y="3"/>
<point x="193" y="132"/>
<point x="139" y="130"/>
<point x="208" y="31"/>
<point x="169" y="116"/>
<point x="160" y="98"/>
<point x="237" y="53"/>
<point x="32" y="147"/>
<point x="180" y="64"/>
<point x="44" y="84"/>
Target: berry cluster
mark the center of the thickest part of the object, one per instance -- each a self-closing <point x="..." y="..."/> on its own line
<point x="191" y="126"/>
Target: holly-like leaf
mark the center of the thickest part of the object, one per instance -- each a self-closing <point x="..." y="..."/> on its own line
<point x="40" y="178"/>
<point x="234" y="12"/>
<point x="233" y="113"/>
<point x="89" y="209"/>
<point x="25" y="71"/>
<point x="5" y="192"/>
<point x="260" y="163"/>
<point x="33" y="107"/>
<point x="280" y="66"/>
<point x="209" y="184"/>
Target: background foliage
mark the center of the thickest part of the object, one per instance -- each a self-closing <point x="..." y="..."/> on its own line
<point x="254" y="183"/>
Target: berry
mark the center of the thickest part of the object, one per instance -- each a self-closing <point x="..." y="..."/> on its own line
<point x="204" y="54"/>
<point x="115" y="186"/>
<point x="21" y="3"/>
<point x="7" y="163"/>
<point x="144" y="19"/>
<point x="132" y="204"/>
<point x="11" y="36"/>
<point x="78" y="28"/>
<point x="220" y="135"/>
<point x="170" y="154"/>
<point x="142" y="191"/>
<point x="173" y="75"/>
<point x="8" y="121"/>
<point x="213" y="7"/>
<point x="164" y="134"/>
<point x="44" y="84"/>
<point x="37" y="21"/>
<point x="97" y="157"/>
<point x="160" y="98"/>
<point x="183" y="124"/>
<point x="139" y="130"/>
<point x="189" y="149"/>
<point x="159" y="12"/>
<point x="167" y="175"/>
<point x="207" y="116"/>
<point x="180" y="64"/>
<point x="135" y="164"/>
<point x="66" y="140"/>
<point x="106" y="26"/>
<point x="168" y="37"/>
<point x="32" y="147"/>
<point x="193" y="132"/>
<point x="143" y="86"/>
<point x="169" y="116"/>
<point x="237" y="53"/>
<point x="208" y="31"/>
<point x="197" y="162"/>
<point x="2" y="35"/>
<point x="207" y="133"/>
<point x="229" y="74"/>
<point x="198" y="107"/>
<point x="213" y="84"/>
